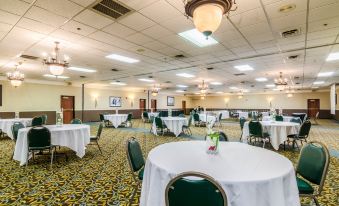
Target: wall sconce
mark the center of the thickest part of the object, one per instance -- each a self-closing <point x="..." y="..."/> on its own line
<point x="131" y="98"/>
<point x="269" y="99"/>
<point x="95" y="97"/>
<point x="226" y="101"/>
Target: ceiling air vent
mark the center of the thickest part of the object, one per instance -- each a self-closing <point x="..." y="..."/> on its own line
<point x="111" y="8"/>
<point x="239" y="74"/>
<point x="179" y="56"/>
<point x="114" y="70"/>
<point x="29" y="57"/>
<point x="293" y="57"/>
<point x="290" y="33"/>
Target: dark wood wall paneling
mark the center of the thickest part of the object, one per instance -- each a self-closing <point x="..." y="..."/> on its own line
<point x="51" y="115"/>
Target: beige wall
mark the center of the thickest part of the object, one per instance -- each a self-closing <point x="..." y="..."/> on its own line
<point x="261" y="101"/>
<point x="42" y="97"/>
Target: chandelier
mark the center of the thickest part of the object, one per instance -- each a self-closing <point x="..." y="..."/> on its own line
<point x="155" y="91"/>
<point x="240" y="94"/>
<point x="207" y="14"/>
<point x="16" y="78"/>
<point x="290" y="92"/>
<point x="280" y="82"/>
<point x="55" y="64"/>
<point x="203" y="87"/>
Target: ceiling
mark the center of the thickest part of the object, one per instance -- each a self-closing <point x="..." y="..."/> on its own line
<point x="250" y="35"/>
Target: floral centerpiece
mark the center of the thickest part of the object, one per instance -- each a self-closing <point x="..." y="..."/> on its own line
<point x="212" y="139"/>
<point x="59" y="119"/>
<point x="273" y="114"/>
<point x="16" y="115"/>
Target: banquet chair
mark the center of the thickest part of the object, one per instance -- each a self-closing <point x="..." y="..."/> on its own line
<point x="39" y="139"/>
<point x="181" y="115"/>
<point x="37" y="121"/>
<point x="186" y="128"/>
<point x="296" y="120"/>
<point x="256" y="132"/>
<point x="181" y="191"/>
<point x="136" y="162"/>
<point x="312" y="166"/>
<point x="103" y="120"/>
<point x="316" y="118"/>
<point x="219" y="119"/>
<point x="145" y="116"/>
<point x="304" y="132"/>
<point x="44" y="119"/>
<point x="197" y="121"/>
<point x="95" y="139"/>
<point x="15" y="129"/>
<point x="242" y="121"/>
<point x="222" y="137"/>
<point x="279" y="118"/>
<point x="128" y="120"/>
<point x="76" y="121"/>
<point x="159" y="125"/>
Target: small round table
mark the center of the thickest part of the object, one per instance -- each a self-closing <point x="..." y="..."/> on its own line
<point x="250" y="176"/>
<point x="116" y="119"/>
<point x="6" y="124"/>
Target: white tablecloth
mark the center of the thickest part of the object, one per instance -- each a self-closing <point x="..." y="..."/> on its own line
<point x="265" y="114"/>
<point x="174" y="124"/>
<point x="6" y="124"/>
<point x="286" y="118"/>
<point x="116" y="119"/>
<point x="250" y="176"/>
<point x="278" y="131"/>
<point x="224" y="114"/>
<point x="243" y="114"/>
<point x="73" y="136"/>
<point x="207" y="118"/>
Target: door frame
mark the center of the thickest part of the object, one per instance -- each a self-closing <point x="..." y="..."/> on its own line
<point x="73" y="113"/>
<point x="308" y="108"/>
<point x="145" y="108"/>
<point x="183" y="102"/>
<point x="155" y="106"/>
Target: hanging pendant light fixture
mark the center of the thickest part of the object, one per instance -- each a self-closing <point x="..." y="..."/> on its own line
<point x="155" y="90"/>
<point x="16" y="78"/>
<point x="55" y="64"/>
<point x="281" y="82"/>
<point x="207" y="14"/>
<point x="203" y="87"/>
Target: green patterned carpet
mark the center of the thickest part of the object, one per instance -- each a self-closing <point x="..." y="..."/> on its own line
<point x="106" y="180"/>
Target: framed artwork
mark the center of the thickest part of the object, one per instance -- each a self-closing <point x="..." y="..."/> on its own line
<point x="170" y="101"/>
<point x="115" y="101"/>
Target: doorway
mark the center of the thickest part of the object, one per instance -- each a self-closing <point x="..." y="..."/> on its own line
<point x="142" y="105"/>
<point x="184" y="106"/>
<point x="313" y="107"/>
<point x="153" y="105"/>
<point x="67" y="105"/>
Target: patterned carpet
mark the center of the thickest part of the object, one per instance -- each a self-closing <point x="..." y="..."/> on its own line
<point x="106" y="180"/>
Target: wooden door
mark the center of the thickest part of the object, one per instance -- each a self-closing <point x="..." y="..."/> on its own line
<point x="142" y="105"/>
<point x="67" y="104"/>
<point x="184" y="106"/>
<point x="313" y="107"/>
<point x="153" y="105"/>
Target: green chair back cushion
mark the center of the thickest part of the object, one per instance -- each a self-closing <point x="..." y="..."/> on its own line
<point x="312" y="162"/>
<point x="37" y="121"/>
<point x="39" y="137"/>
<point x="44" y="118"/>
<point x="255" y="129"/>
<point x="145" y="115"/>
<point x="158" y="122"/>
<point x="76" y="121"/>
<point x="296" y="120"/>
<point x="101" y="117"/>
<point x="242" y="122"/>
<point x="99" y="130"/>
<point x="129" y="117"/>
<point x="135" y="155"/>
<point x="279" y="118"/>
<point x="186" y="192"/>
<point x="305" y="129"/>
<point x="15" y="129"/>
<point x="196" y="117"/>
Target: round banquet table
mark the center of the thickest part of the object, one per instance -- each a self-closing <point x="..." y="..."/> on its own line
<point x="6" y="124"/>
<point x="207" y="118"/>
<point x="250" y="176"/>
<point x="278" y="131"/>
<point x="174" y="124"/>
<point x="73" y="136"/>
<point x="286" y="118"/>
<point x="116" y="119"/>
<point x="243" y="114"/>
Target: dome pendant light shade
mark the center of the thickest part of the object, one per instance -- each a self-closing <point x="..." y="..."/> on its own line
<point x="55" y="64"/>
<point x="56" y="70"/>
<point x="207" y="18"/>
<point x="207" y="14"/>
<point x="16" y="78"/>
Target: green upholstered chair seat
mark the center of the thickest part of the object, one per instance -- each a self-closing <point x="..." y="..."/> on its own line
<point x="41" y="148"/>
<point x="141" y="174"/>
<point x="76" y="121"/>
<point x="265" y="134"/>
<point x="304" y="187"/>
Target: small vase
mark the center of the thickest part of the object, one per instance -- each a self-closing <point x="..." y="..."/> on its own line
<point x="212" y="144"/>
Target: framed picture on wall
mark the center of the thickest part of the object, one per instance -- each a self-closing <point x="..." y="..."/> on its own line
<point x="170" y="101"/>
<point x="115" y="101"/>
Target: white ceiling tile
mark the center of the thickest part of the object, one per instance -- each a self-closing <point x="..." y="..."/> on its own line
<point x="112" y="40"/>
<point x="157" y="31"/>
<point x="160" y="11"/>
<point x="8" y="18"/>
<point x="78" y="28"/>
<point x="324" y="12"/>
<point x="136" y="21"/>
<point x="249" y="18"/>
<point x="273" y="9"/>
<point x="119" y="30"/>
<point x="138" y="4"/>
<point x="44" y="16"/>
<point x="154" y="45"/>
<point x="14" y="6"/>
<point x="138" y="38"/>
<point x="66" y="35"/>
<point x="93" y="19"/>
<point x="61" y="7"/>
<point x="84" y="3"/>
<point x="35" y="26"/>
<point x="178" y="24"/>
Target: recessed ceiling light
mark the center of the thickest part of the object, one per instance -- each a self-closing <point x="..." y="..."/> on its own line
<point x="122" y="58"/>
<point x="287" y="8"/>
<point x="325" y="74"/>
<point x="185" y="75"/>
<point x="146" y="80"/>
<point x="197" y="93"/>
<point x="119" y="83"/>
<point x="182" y="86"/>
<point x="333" y="56"/>
<point x="198" y="38"/>
<point x="216" y="83"/>
<point x="244" y="68"/>
<point x="233" y="87"/>
<point x="219" y="92"/>
<point x="180" y="91"/>
<point x="314" y="87"/>
<point x="261" y="79"/>
<point x="270" y="85"/>
<point x="79" y="69"/>
<point x="319" y="82"/>
<point x="53" y="76"/>
<point x="276" y="89"/>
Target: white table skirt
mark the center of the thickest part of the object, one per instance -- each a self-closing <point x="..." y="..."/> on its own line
<point x="116" y="119"/>
<point x="278" y="131"/>
<point x="73" y="136"/>
<point x="224" y="114"/>
<point x="207" y="118"/>
<point x="265" y="114"/>
<point x="6" y="125"/>
<point x="250" y="176"/>
<point x="243" y="114"/>
<point x="286" y="118"/>
<point x="174" y="124"/>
